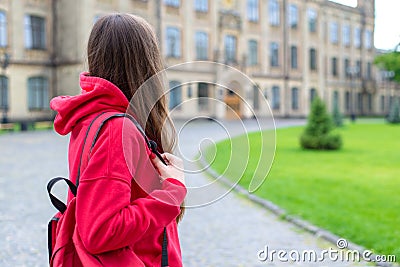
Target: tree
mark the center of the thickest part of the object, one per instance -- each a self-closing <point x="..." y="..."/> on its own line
<point x="318" y="132"/>
<point x="394" y="114"/>
<point x="390" y="62"/>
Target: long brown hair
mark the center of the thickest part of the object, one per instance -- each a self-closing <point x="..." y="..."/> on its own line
<point x="123" y="49"/>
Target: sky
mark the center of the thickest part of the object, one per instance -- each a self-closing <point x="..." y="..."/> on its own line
<point x="387" y="22"/>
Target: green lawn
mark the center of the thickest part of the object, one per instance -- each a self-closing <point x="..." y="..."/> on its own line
<point x="15" y="128"/>
<point x="354" y="192"/>
<point x="37" y="126"/>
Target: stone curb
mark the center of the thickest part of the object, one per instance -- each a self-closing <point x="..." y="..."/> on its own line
<point x="281" y="213"/>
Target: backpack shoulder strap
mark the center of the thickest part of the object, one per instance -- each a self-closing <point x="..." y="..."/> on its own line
<point x="93" y="133"/>
<point x="58" y="204"/>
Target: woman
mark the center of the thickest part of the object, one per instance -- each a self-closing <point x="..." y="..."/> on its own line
<point x="118" y="219"/>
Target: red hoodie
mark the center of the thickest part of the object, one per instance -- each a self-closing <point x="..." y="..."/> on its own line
<point x="113" y="213"/>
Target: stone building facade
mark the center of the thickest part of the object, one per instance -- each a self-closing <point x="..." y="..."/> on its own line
<point x="291" y="49"/>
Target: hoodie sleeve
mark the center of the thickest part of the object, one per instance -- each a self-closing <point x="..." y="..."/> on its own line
<point x="106" y="217"/>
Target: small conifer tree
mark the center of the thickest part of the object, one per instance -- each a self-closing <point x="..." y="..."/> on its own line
<point x="318" y="132"/>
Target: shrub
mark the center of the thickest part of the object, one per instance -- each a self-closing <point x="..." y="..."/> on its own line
<point x="318" y="132"/>
<point x="394" y="114"/>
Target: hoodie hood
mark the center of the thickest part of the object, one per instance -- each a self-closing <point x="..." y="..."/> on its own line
<point x="97" y="95"/>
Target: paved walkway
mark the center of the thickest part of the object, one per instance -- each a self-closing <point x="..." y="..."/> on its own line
<point x="27" y="162"/>
<point x="229" y="232"/>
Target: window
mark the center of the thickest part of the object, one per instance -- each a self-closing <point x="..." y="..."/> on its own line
<point x="253" y="53"/>
<point x="360" y="102"/>
<point x="295" y="98"/>
<point x="369" y="71"/>
<point x="173" y="3"/>
<point x="357" y="37"/>
<point x="252" y="10"/>
<point x="3" y="92"/>
<point x="256" y="98"/>
<point x="38" y="93"/>
<point x="293" y="16"/>
<point x="358" y="69"/>
<point x="202" y="93"/>
<point x="276" y="98"/>
<point x="312" y="19"/>
<point x="334" y="67"/>
<point x="346" y="68"/>
<point x="35" y="32"/>
<point x="313" y="59"/>
<point x="293" y="57"/>
<point x="370" y="106"/>
<point x="173" y="42"/>
<point x="201" y="5"/>
<point x="3" y="29"/>
<point x="335" y="103"/>
<point x="189" y="91"/>
<point x="274" y="19"/>
<point x="346" y="35"/>
<point x="230" y="48"/>
<point x="334" y="33"/>
<point x="382" y="103"/>
<point x="175" y="94"/>
<point x="368" y="39"/>
<point x="274" y="54"/>
<point x="347" y="101"/>
<point x="313" y="94"/>
<point x="201" y="45"/>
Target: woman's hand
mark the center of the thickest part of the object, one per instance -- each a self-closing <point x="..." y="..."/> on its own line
<point x="173" y="169"/>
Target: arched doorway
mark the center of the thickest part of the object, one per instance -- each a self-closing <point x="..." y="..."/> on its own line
<point x="233" y="101"/>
